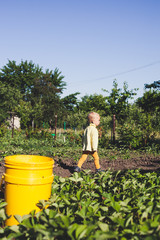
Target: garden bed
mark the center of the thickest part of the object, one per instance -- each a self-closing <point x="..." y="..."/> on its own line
<point x="64" y="166"/>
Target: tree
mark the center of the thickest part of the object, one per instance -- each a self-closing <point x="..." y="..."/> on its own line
<point x="16" y="82"/>
<point x="94" y="102"/>
<point x="150" y="101"/>
<point x="155" y="84"/>
<point x="118" y="100"/>
<point x="20" y="76"/>
<point x="9" y="99"/>
<point x="27" y="82"/>
<point x="47" y="89"/>
<point x="70" y="102"/>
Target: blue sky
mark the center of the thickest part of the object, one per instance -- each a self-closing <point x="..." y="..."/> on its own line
<point x="92" y="42"/>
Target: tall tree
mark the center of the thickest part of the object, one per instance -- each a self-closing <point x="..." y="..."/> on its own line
<point x="118" y="100"/>
<point x="150" y="101"/>
<point x="70" y="102"/>
<point x="20" y="76"/>
<point x="39" y="89"/>
<point x="93" y="102"/>
<point x="9" y="99"/>
<point x="48" y="88"/>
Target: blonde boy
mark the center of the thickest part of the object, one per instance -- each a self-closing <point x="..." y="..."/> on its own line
<point x="90" y="142"/>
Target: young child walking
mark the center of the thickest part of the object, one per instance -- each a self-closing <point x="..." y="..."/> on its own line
<point x="90" y="142"/>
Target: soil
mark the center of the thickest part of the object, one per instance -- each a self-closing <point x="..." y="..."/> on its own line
<point x="65" y="167"/>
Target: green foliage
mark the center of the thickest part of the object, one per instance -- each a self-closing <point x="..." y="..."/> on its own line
<point x="118" y="101"/>
<point x="24" y="111"/>
<point x="77" y="120"/>
<point x="109" y="205"/>
<point x="139" y="129"/>
<point x="74" y="138"/>
<point x="29" y="92"/>
<point x="70" y="102"/>
<point x="47" y="90"/>
<point x="93" y="102"/>
<point x="130" y="135"/>
<point x="3" y="130"/>
<point x="104" y="130"/>
<point x="136" y="134"/>
<point x="3" y="215"/>
<point x="10" y="98"/>
<point x="20" y="76"/>
<point x="155" y="84"/>
<point x="150" y="101"/>
<point x="156" y="121"/>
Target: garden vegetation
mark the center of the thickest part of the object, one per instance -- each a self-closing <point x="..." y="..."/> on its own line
<point x="118" y="205"/>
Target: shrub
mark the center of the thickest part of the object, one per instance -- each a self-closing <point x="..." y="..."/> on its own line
<point x="130" y="135"/>
<point x="3" y="130"/>
<point x="74" y="138"/>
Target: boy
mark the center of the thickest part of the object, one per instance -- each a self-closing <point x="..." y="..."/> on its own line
<point x="90" y="142"/>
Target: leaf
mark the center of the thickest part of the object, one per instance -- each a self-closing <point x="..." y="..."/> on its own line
<point x="3" y="204"/>
<point x="14" y="228"/>
<point x="65" y="220"/>
<point x="103" y="208"/>
<point x="66" y="201"/>
<point x="76" y="178"/>
<point x="103" y="226"/>
<point x="18" y="218"/>
<point x="78" y="194"/>
<point x="129" y="220"/>
<point x="82" y="212"/>
<point x="3" y="214"/>
<point x="1" y="230"/>
<point x="116" y="206"/>
<point x="71" y="230"/>
<point x="80" y="231"/>
<point x="62" y="180"/>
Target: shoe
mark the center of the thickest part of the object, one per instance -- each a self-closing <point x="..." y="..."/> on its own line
<point x="77" y="169"/>
<point x="99" y="170"/>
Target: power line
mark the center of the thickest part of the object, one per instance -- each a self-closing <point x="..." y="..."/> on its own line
<point x="121" y="73"/>
<point x="130" y="70"/>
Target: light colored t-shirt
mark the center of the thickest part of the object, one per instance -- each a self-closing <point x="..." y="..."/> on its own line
<point x="90" y="138"/>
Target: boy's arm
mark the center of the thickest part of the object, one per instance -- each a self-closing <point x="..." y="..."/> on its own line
<point x="94" y="140"/>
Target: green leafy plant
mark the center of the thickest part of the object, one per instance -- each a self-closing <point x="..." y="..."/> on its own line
<point x="109" y="205"/>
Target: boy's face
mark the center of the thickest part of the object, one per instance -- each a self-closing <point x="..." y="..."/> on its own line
<point x="97" y="121"/>
<point x="94" y="118"/>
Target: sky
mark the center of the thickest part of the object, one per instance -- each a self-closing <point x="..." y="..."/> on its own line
<point x="91" y="42"/>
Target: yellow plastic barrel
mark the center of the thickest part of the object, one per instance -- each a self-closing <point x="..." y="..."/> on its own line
<point x="28" y="179"/>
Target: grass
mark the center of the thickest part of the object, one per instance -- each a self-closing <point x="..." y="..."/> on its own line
<point x="50" y="147"/>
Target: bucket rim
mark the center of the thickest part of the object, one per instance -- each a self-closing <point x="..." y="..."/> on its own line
<point x="30" y="159"/>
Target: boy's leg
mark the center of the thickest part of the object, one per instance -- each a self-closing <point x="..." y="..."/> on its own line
<point x="82" y="159"/>
<point x="96" y="159"/>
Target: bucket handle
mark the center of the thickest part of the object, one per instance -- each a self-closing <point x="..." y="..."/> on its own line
<point x="2" y="180"/>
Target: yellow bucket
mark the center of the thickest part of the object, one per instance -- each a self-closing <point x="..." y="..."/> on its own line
<point x="28" y="179"/>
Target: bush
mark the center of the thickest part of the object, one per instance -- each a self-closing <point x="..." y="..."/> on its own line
<point x="3" y="130"/>
<point x="130" y="135"/>
<point x="74" y="138"/>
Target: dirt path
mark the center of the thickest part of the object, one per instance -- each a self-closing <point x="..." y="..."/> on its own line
<point x="64" y="167"/>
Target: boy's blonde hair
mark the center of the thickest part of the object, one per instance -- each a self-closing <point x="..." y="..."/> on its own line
<point x="92" y="116"/>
